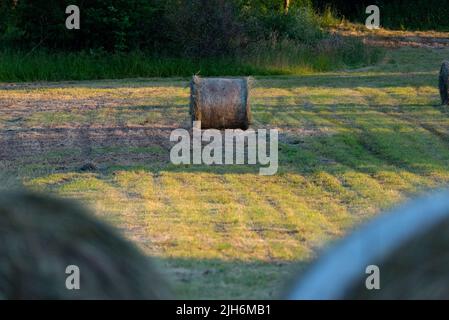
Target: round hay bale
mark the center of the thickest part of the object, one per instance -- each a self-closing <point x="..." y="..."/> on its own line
<point x="410" y="245"/>
<point x="40" y="236"/>
<point x="444" y="83"/>
<point x="220" y="103"/>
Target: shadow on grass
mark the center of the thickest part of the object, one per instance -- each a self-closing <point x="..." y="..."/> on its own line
<point x="377" y="137"/>
<point x="348" y="80"/>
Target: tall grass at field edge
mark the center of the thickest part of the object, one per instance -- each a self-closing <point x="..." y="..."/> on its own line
<point x="280" y="59"/>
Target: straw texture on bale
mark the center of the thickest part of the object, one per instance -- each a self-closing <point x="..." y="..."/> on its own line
<point x="444" y="83"/>
<point x="40" y="236"/>
<point x="220" y="103"/>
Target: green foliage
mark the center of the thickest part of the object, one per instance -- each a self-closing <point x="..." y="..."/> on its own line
<point x="300" y="24"/>
<point x="262" y="58"/>
<point x="120" y="25"/>
<point x="35" y="23"/>
<point x="157" y="38"/>
<point x="112" y="25"/>
<point x="187" y="27"/>
<point x="412" y="14"/>
<point x="329" y="17"/>
<point x="350" y="51"/>
<point x="204" y="27"/>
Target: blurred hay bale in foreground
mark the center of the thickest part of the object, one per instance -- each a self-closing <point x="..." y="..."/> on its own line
<point x="40" y="236"/>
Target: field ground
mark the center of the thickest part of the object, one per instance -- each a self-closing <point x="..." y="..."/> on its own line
<point x="352" y="144"/>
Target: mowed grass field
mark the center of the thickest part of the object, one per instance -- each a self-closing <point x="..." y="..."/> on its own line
<point x="352" y="143"/>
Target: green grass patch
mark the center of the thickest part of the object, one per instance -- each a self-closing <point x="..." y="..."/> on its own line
<point x="264" y="59"/>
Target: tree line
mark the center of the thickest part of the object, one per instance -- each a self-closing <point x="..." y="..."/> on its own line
<point x="187" y="27"/>
<point x="194" y="27"/>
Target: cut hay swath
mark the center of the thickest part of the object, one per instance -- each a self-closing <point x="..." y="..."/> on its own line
<point x="410" y="245"/>
<point x="220" y="103"/>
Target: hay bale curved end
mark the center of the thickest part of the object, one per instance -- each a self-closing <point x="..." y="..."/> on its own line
<point x="40" y="236"/>
<point x="220" y="103"/>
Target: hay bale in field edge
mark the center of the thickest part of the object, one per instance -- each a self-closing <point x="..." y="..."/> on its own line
<point x="220" y="103"/>
<point x="40" y="236"/>
<point x="444" y="83"/>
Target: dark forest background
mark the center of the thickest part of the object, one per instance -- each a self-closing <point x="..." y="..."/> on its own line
<point x="181" y="37"/>
<point x="395" y="14"/>
<point x="195" y="27"/>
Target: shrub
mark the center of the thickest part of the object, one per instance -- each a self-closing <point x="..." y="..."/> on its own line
<point x="416" y="14"/>
<point x="349" y="51"/>
<point x="204" y="27"/>
<point x="300" y="24"/>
